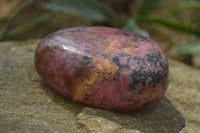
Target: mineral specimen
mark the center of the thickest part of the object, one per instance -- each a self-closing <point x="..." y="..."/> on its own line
<point x="103" y="67"/>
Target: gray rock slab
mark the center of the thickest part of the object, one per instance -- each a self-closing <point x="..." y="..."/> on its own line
<point x="27" y="104"/>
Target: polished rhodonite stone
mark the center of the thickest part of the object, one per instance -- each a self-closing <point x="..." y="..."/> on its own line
<point x="103" y="67"/>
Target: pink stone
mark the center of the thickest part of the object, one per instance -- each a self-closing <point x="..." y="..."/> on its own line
<point x="103" y="67"/>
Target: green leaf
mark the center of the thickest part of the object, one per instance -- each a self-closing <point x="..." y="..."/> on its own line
<point x="132" y="26"/>
<point x="150" y="5"/>
<point x="184" y="6"/>
<point x="197" y="17"/>
<point x="83" y="8"/>
<point x="189" y="49"/>
<point x="170" y="24"/>
<point x="28" y="25"/>
<point x="6" y="29"/>
<point x="169" y="46"/>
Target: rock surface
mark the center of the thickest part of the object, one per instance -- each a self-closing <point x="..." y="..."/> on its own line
<point x="28" y="105"/>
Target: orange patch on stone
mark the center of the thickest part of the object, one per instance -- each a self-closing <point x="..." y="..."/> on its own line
<point x="84" y="87"/>
<point x="106" y="68"/>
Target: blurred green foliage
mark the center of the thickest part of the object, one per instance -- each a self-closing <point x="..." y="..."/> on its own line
<point x="192" y="49"/>
<point x="7" y="28"/>
<point x="98" y="11"/>
<point x="150" y="5"/>
<point x="84" y="8"/>
<point x="131" y="25"/>
<point x="185" y="5"/>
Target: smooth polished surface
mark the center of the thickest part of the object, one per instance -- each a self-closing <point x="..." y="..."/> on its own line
<point x="103" y="67"/>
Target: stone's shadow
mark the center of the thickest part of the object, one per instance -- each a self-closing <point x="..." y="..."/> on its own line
<point x="161" y="118"/>
<point x="72" y="106"/>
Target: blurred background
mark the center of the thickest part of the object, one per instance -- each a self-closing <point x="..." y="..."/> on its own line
<point x="174" y="24"/>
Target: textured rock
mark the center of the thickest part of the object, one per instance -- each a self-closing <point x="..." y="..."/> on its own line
<point x="28" y="105"/>
<point x="103" y="67"/>
<point x="96" y="124"/>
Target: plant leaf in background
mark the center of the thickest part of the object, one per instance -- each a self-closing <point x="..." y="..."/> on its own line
<point x="28" y="25"/>
<point x="170" y="24"/>
<point x="149" y="5"/>
<point x="185" y="5"/>
<point x="189" y="49"/>
<point x="169" y="46"/>
<point x="132" y="26"/>
<point x="197" y="17"/>
<point x="10" y="22"/>
<point x="83" y="8"/>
